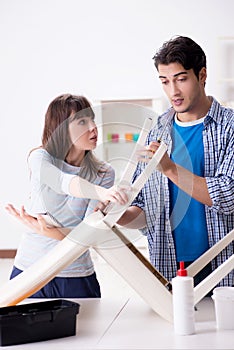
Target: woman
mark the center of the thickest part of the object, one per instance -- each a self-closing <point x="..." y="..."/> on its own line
<point x="67" y="181"/>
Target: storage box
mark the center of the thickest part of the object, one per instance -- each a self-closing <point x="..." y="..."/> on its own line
<point x="38" y="321"/>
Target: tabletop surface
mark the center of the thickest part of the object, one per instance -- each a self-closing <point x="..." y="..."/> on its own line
<point x="129" y="323"/>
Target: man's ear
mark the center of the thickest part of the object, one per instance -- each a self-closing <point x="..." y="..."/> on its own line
<point x="203" y="75"/>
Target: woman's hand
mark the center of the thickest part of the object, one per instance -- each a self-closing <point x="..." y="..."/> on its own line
<point x="102" y="206"/>
<point x="116" y="194"/>
<point x="36" y="224"/>
<point x="26" y="219"/>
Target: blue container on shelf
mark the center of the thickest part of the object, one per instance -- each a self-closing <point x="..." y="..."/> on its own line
<point x="135" y="137"/>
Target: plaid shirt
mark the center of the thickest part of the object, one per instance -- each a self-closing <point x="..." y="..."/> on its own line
<point x="218" y="140"/>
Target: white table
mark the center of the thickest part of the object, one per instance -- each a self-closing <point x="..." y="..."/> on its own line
<point x="138" y="327"/>
<point x="130" y="324"/>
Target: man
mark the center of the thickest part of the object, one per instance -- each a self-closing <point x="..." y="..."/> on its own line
<point x="187" y="204"/>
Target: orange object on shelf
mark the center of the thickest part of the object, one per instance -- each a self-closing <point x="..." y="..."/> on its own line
<point x="128" y="137"/>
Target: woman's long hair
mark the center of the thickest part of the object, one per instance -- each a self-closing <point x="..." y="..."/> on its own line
<point x="55" y="137"/>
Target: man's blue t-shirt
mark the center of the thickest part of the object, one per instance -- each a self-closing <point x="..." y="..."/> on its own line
<point x="188" y="218"/>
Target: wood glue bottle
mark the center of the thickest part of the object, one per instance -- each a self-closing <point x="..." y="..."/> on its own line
<point x="183" y="302"/>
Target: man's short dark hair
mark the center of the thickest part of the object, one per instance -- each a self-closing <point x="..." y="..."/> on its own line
<point x="182" y="50"/>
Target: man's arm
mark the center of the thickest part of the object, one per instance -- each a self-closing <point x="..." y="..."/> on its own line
<point x="134" y="218"/>
<point x="195" y="186"/>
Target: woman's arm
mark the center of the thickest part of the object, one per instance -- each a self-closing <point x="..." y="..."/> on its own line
<point x="42" y="170"/>
<point x="81" y="188"/>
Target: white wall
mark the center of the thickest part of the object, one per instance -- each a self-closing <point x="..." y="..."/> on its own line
<point x="102" y="49"/>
